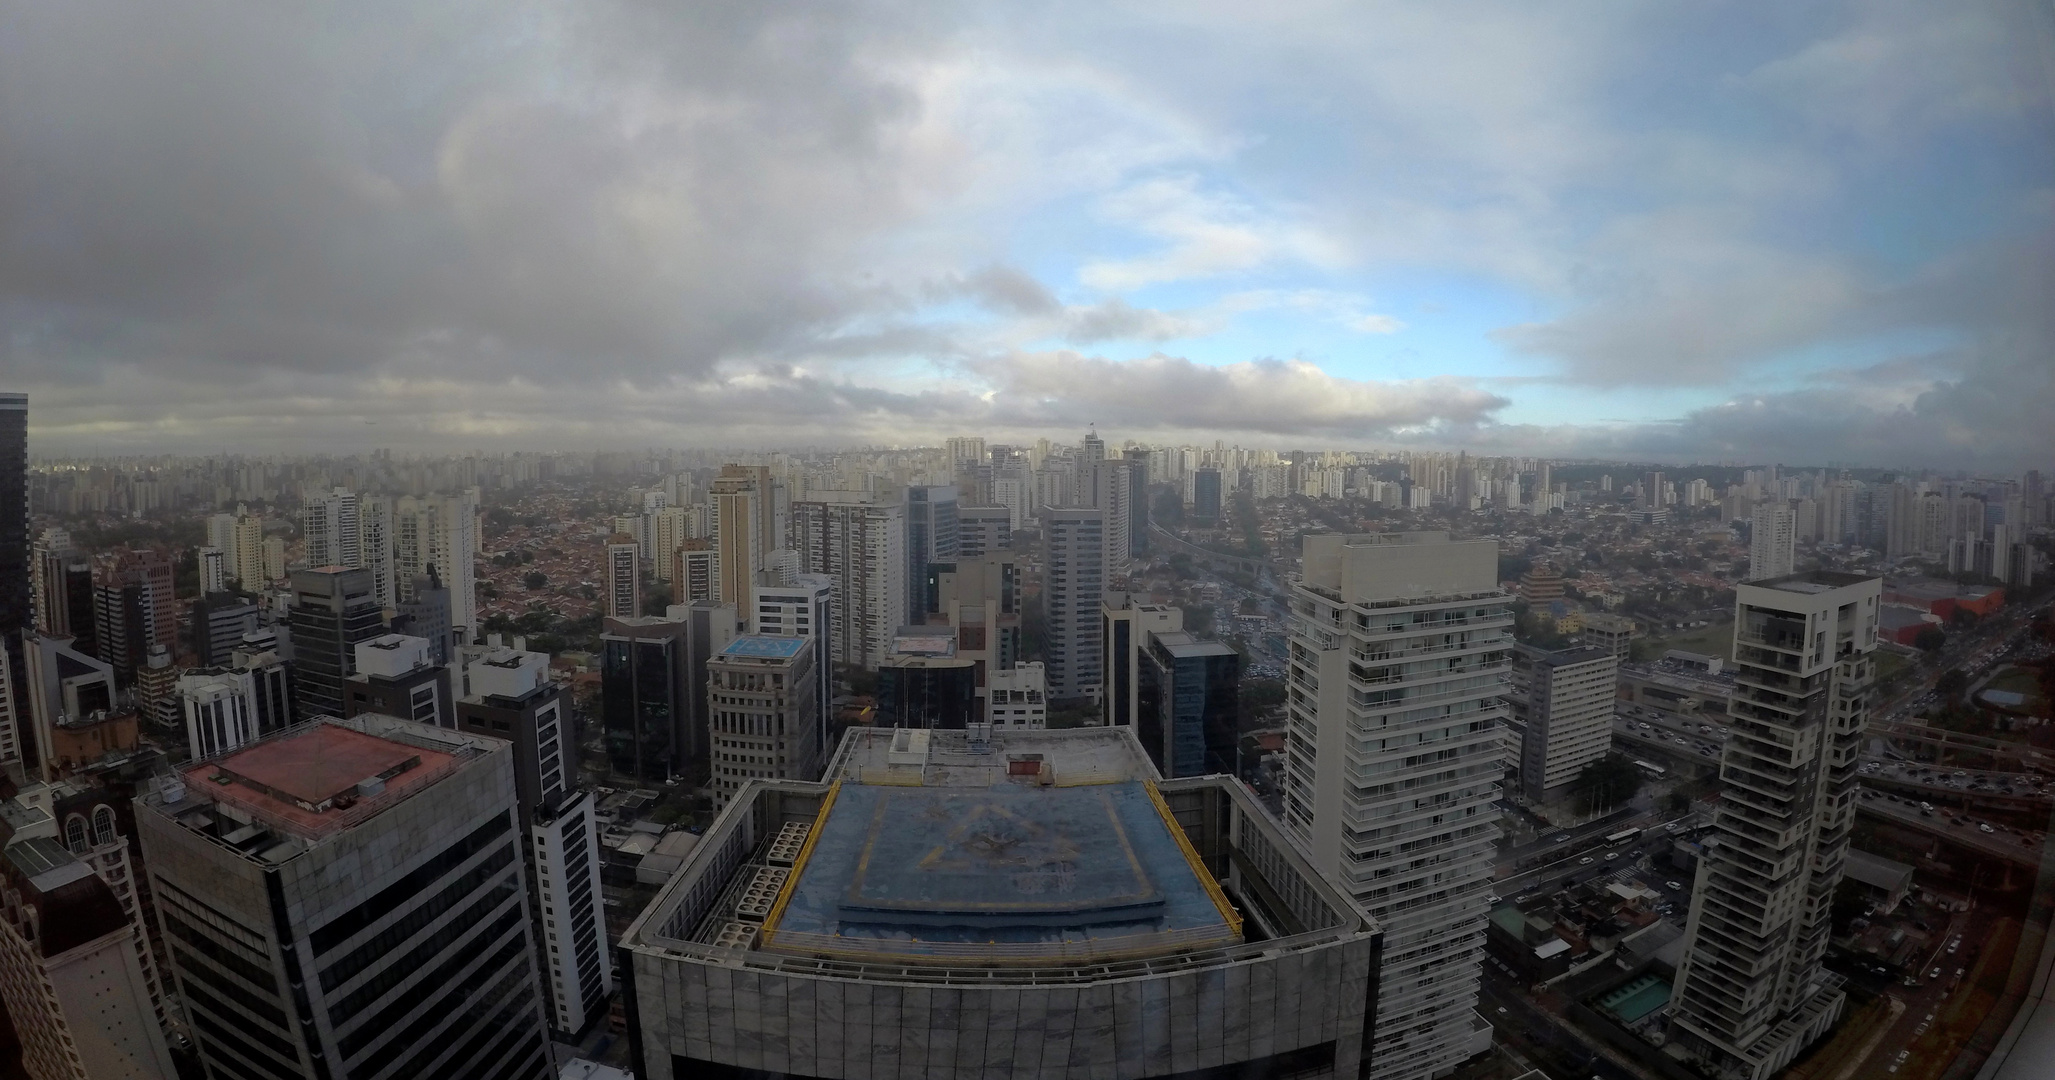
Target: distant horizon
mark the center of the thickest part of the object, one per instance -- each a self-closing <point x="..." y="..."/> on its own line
<point x="45" y="459"/>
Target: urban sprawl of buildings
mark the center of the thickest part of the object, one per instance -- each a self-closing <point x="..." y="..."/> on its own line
<point x="1063" y="760"/>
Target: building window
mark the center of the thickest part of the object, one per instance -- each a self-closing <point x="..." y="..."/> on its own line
<point x="75" y="833"/>
<point x="103" y="825"/>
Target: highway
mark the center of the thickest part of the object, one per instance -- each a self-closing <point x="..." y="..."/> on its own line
<point x="2022" y="846"/>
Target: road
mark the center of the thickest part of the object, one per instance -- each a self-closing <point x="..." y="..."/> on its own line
<point x="2002" y="842"/>
<point x="1581" y="861"/>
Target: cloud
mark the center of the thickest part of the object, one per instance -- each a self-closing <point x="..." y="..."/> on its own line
<point x="1686" y="297"/>
<point x="1898" y="71"/>
<point x="1288" y="398"/>
<point x="1208" y="234"/>
<point x="1343" y="308"/>
<point x="583" y="223"/>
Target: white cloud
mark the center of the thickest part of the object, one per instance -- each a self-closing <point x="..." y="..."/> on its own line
<point x="1208" y="235"/>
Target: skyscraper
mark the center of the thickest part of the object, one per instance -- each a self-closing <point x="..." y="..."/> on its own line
<point x="1125" y="628"/>
<point x="1074" y="580"/>
<point x="1750" y="992"/>
<point x="653" y="688"/>
<point x="439" y="533"/>
<point x="70" y="971"/>
<point x="1094" y="448"/>
<point x="745" y="528"/>
<point x="983" y="530"/>
<point x="861" y="545"/>
<point x="1206" y="496"/>
<point x="1190" y="704"/>
<point x="16" y="613"/>
<point x="332" y="610"/>
<point x="1405" y="639"/>
<point x="511" y="697"/>
<point x="1109" y="487"/>
<point x="622" y="587"/>
<point x="396" y="674"/>
<point x="695" y="571"/>
<point x="1137" y="501"/>
<point x="1563" y="708"/>
<point x="763" y="713"/>
<point x="213" y="571"/>
<point x="333" y="529"/>
<point x="932" y="535"/>
<point x="1772" y="540"/>
<point x="804" y="607"/>
<point x="324" y="926"/>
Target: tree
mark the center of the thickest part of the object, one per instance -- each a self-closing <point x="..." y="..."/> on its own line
<point x="1930" y="639"/>
<point x="534" y="579"/>
<point x="1951" y="684"/>
<point x="1608" y="782"/>
<point x="1198" y="620"/>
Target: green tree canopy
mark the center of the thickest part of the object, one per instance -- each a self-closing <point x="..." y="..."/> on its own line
<point x="1608" y="782"/>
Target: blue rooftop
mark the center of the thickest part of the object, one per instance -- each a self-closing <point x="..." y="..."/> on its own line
<point x="1006" y="868"/>
<point x="765" y="646"/>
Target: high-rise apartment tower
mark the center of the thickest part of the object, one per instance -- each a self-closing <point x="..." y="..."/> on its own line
<point x="1401" y="647"/>
<point x="1750" y="993"/>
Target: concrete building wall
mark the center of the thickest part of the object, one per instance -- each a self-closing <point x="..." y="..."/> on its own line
<point x="805" y="1025"/>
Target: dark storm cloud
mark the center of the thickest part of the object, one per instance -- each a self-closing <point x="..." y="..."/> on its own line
<point x="554" y="190"/>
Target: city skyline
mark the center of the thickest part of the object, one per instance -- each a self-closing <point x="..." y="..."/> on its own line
<point x="1570" y="233"/>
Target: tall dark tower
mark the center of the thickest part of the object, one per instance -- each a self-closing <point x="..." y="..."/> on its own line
<point x="15" y="613"/>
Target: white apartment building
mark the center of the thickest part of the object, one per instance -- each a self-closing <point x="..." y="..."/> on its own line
<point x="1772" y="540"/>
<point x="440" y="532"/>
<point x="803" y="607"/>
<point x="1400" y="652"/>
<point x="1019" y="696"/>
<point x="333" y="530"/>
<point x="1750" y="993"/>
<point x="1074" y="582"/>
<point x="1563" y="707"/>
<point x="220" y="710"/>
<point x="861" y="546"/>
<point x="623" y="585"/>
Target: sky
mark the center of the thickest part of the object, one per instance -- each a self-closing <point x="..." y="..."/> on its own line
<point x="1745" y="232"/>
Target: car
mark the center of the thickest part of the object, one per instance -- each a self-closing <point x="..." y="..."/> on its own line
<point x="1676" y="886"/>
<point x="1560" y="838"/>
<point x="1585" y="861"/>
<point x="1934" y="974"/>
<point x="1611" y="855"/>
<point x="1985" y="828"/>
<point x="1502" y="1010"/>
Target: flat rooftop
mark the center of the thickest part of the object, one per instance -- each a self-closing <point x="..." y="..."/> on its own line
<point x="765" y="647"/>
<point x="944" y="758"/>
<point x="307" y="777"/>
<point x="1013" y="869"/>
